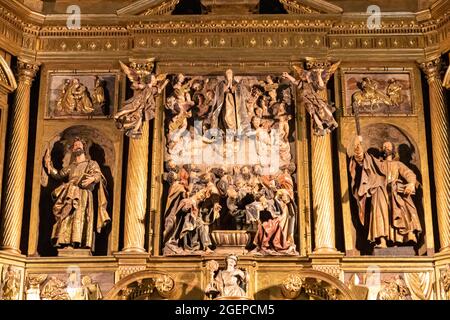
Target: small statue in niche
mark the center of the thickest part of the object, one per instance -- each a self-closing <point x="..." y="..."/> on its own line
<point x="10" y="283"/>
<point x="74" y="98"/>
<point x="228" y="283"/>
<point x="311" y="83"/>
<point x="142" y="106"/>
<point x="393" y="215"/>
<point x="98" y="96"/>
<point x="394" y="92"/>
<point x="229" y="106"/>
<point x="74" y="202"/>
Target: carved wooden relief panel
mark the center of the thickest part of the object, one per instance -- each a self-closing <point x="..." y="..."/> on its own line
<point x="81" y="95"/>
<point x="376" y="93"/>
<point x="229" y="166"/>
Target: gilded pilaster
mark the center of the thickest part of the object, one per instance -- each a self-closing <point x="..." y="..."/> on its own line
<point x="441" y="147"/>
<point x="322" y="186"/>
<point x="16" y="161"/>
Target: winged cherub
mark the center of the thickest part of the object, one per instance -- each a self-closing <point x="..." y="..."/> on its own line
<point x="142" y="106"/>
<point x="310" y="84"/>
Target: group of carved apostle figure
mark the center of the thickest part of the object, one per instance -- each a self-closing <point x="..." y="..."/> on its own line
<point x="201" y="197"/>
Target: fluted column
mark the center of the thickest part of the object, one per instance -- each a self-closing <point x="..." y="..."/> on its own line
<point x="440" y="146"/>
<point x="136" y="192"/>
<point x="16" y="161"/>
<point x="322" y="186"/>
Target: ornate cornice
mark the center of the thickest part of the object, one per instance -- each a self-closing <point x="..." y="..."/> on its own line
<point x="126" y="31"/>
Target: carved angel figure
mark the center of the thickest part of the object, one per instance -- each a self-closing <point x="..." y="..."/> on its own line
<point x="142" y="106"/>
<point x="311" y="83"/>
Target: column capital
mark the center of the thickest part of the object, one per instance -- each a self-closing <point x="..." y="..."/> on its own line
<point x="26" y="71"/>
<point x="143" y="67"/>
<point x="431" y="67"/>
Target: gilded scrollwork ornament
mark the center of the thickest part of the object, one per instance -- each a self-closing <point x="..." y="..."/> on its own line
<point x="34" y="282"/>
<point x="292" y="286"/>
<point x="55" y="289"/>
<point x="394" y="289"/>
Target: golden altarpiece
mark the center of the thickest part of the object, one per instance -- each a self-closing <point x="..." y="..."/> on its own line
<point x="126" y="157"/>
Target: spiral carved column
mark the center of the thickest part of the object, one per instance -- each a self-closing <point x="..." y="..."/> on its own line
<point x="322" y="186"/>
<point x="16" y="162"/>
<point x="441" y="148"/>
<point x="136" y="192"/>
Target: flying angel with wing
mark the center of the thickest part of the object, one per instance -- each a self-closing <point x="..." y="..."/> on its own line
<point x="142" y="106"/>
<point x="311" y="83"/>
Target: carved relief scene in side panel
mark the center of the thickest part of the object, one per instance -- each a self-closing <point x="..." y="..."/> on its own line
<point x="377" y="285"/>
<point x="378" y="93"/>
<point x="81" y="95"/>
<point x="72" y="285"/>
<point x="229" y="165"/>
<point x="385" y="181"/>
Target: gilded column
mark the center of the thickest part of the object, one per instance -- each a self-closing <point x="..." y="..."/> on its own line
<point x="440" y="146"/>
<point x="322" y="185"/>
<point x="16" y="161"/>
<point x="136" y="192"/>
